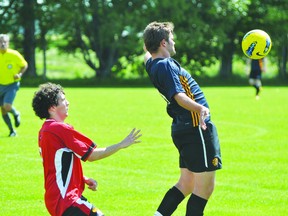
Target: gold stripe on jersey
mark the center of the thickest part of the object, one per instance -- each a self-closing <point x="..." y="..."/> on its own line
<point x="195" y="116"/>
<point x="261" y="64"/>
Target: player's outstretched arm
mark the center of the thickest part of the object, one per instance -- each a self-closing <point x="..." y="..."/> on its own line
<point x="100" y="153"/>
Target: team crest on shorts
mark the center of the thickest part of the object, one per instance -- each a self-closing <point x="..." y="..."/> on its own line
<point x="94" y="209"/>
<point x="9" y="66"/>
<point x="215" y="162"/>
<point x="97" y="211"/>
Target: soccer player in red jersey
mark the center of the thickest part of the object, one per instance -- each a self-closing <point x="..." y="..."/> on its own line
<point x="62" y="149"/>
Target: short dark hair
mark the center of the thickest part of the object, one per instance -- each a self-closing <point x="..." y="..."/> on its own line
<point x="155" y="32"/>
<point x="46" y="97"/>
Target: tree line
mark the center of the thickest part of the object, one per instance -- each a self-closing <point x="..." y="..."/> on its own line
<point x="108" y="31"/>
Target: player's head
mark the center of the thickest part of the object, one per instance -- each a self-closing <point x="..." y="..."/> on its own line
<point x="46" y="97"/>
<point x="159" y="32"/>
<point x="4" y="42"/>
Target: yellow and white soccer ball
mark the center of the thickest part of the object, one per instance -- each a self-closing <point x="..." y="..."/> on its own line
<point x="256" y="44"/>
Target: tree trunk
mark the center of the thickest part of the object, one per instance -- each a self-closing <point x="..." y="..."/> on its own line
<point x="29" y="37"/>
<point x="44" y="49"/>
<point x="283" y="63"/>
<point x="44" y="64"/>
<point x="226" y="61"/>
<point x="227" y="55"/>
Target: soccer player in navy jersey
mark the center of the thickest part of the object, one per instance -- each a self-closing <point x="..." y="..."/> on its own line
<point x="257" y="66"/>
<point x="193" y="132"/>
<point x="62" y="148"/>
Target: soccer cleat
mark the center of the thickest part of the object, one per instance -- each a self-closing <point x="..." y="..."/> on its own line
<point x="12" y="134"/>
<point x="17" y="120"/>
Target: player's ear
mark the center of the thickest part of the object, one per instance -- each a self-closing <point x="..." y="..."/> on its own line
<point x="163" y="43"/>
<point x="51" y="109"/>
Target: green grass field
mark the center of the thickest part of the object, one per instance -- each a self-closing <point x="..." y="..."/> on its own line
<point x="253" y="136"/>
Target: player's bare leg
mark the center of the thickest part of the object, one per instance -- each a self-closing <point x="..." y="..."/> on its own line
<point x="203" y="188"/>
<point x="186" y="182"/>
<point x="201" y="185"/>
<point x="175" y="195"/>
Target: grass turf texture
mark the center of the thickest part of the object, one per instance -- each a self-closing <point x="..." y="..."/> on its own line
<point x="253" y="136"/>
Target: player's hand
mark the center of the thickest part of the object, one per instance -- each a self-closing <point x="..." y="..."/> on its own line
<point x="17" y="76"/>
<point x="132" y="138"/>
<point x="92" y="184"/>
<point x="203" y="115"/>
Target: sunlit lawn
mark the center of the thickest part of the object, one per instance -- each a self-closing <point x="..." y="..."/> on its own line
<point x="253" y="135"/>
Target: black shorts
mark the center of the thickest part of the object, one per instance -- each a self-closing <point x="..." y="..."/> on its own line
<point x="82" y="208"/>
<point x="199" y="150"/>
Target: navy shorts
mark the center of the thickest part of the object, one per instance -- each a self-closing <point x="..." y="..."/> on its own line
<point x="199" y="150"/>
<point x="8" y="93"/>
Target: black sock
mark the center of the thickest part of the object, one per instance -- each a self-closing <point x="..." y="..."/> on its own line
<point x="8" y="122"/>
<point x="257" y="90"/>
<point x="170" y="201"/>
<point x="195" y="206"/>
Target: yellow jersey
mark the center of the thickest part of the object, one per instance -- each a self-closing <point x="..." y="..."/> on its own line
<point x="11" y="63"/>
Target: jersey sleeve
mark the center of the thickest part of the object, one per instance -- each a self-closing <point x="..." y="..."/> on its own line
<point x="81" y="145"/>
<point x="169" y="78"/>
<point x="20" y="61"/>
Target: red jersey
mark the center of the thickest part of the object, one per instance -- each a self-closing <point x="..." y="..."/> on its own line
<point x="62" y="149"/>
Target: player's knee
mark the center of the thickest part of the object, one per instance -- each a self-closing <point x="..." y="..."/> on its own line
<point x="7" y="107"/>
<point x="204" y="184"/>
<point x="185" y="185"/>
<point x="204" y="190"/>
<point x="210" y="188"/>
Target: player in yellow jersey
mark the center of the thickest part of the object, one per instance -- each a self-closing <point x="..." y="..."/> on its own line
<point x="12" y="67"/>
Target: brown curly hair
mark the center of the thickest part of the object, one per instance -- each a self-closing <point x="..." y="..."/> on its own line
<point x="46" y="97"/>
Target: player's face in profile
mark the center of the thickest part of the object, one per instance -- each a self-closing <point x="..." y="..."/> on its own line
<point x="62" y="107"/>
<point x="171" y="45"/>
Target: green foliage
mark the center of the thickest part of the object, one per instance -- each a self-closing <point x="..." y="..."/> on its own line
<point x="104" y="31"/>
<point x="128" y="69"/>
<point x="109" y="33"/>
<point x="63" y="66"/>
<point x="253" y="180"/>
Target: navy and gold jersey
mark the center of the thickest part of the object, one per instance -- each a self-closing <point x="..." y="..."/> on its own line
<point x="170" y="78"/>
<point x="256" y="68"/>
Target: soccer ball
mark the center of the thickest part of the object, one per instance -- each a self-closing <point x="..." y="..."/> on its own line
<point x="256" y="44"/>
